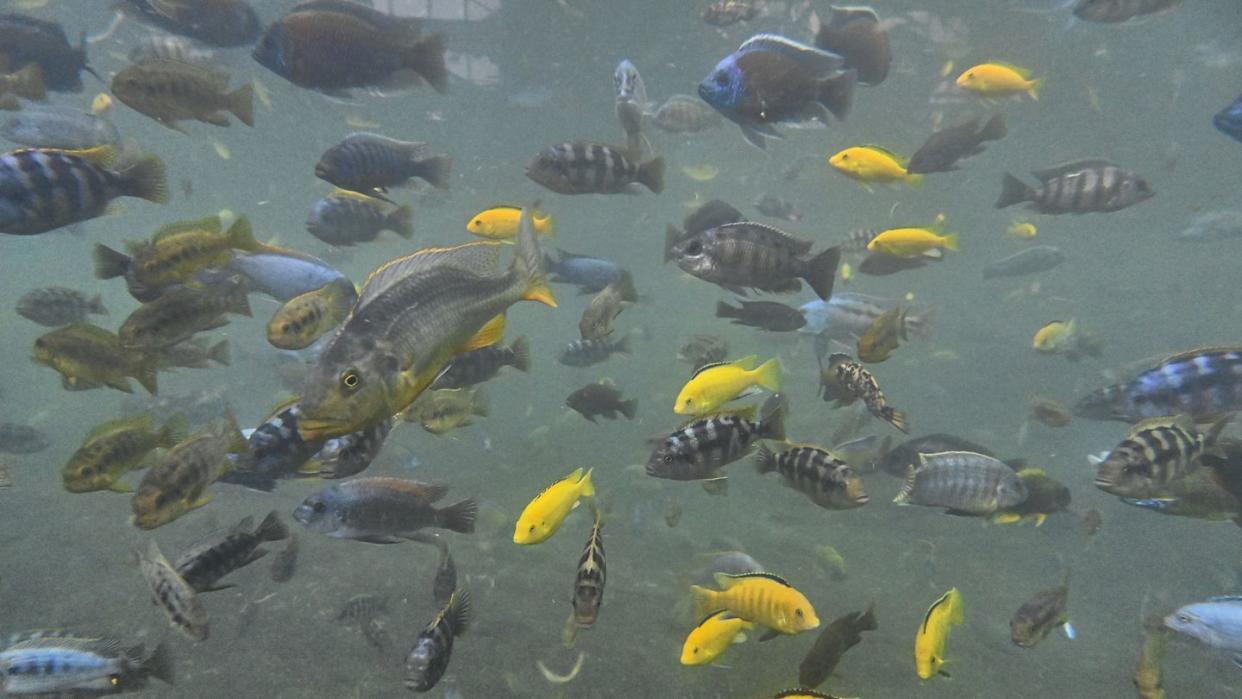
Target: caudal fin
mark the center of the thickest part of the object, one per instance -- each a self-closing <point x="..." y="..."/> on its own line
<point x="724" y="310"/>
<point x="629" y="408"/>
<point x="1034" y="88"/>
<point x="768" y="375"/>
<point x="401" y="221"/>
<point x="241" y="103"/>
<point x="96" y="305"/>
<point x="521" y="353"/>
<point x="459" y="517"/>
<point x="241" y="235"/>
<point x="435" y="170"/>
<point x="29" y="83"/>
<point x="174" y="431"/>
<point x="426" y="57"/>
<point x="219" y="353"/>
<point x="159" y="664"/>
<point x="1013" y="191"/>
<point x="528" y="262"/>
<point x="145" y="373"/>
<point x="772" y="418"/>
<point x="271" y="528"/>
<point x="821" y="271"/>
<point x="109" y="263"/>
<point x="651" y="175"/>
<point x="146" y="179"/>
<point x="765" y="460"/>
<point x="896" y="418"/>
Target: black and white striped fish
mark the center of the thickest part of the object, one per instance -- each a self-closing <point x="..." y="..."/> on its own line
<point x="42" y="189"/>
<point x="173" y="594"/>
<point x="593" y="168"/>
<point x="204" y="563"/>
<point x="747" y="255"/>
<point x="817" y="473"/>
<point x="1154" y="453"/>
<point x="350" y="454"/>
<point x="844" y="380"/>
<point x="698" y="450"/>
<point x="1078" y="187"/>
<point x="429" y="658"/>
<point x="589" y="583"/>
<point x="582" y="353"/>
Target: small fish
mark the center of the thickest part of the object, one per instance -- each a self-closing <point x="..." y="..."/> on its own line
<point x="743" y="255"/>
<point x="713" y="636"/>
<point x="631" y="107"/>
<point x="1216" y="622"/>
<point x="429" y="658"/>
<point x="817" y="473"/>
<point x="1067" y="338"/>
<point x="701" y="350"/>
<point x="1156" y="452"/>
<point x="170" y="47"/>
<point x="479" y="365"/>
<point x="943" y="149"/>
<point x="345" y="218"/>
<point x="445" y="409"/>
<point x="857" y="35"/>
<point x="54" y="306"/>
<point x="999" y="80"/>
<point x="685" y="114"/>
<point x="601" y="398"/>
<point x="500" y="222"/>
<point x="204" y="563"/>
<point x="42" y="189"/>
<point x="912" y="242"/>
<point x="933" y="634"/>
<point x="60" y="664"/>
<point x="725" y="13"/>
<point x="369" y="163"/>
<point x="584" y="353"/>
<point x="383" y="510"/>
<point x="366" y="613"/>
<point x="281" y="273"/>
<point x="171" y="91"/>
<point x="1033" y="260"/>
<point x="716" y="384"/>
<point x="22" y="439"/>
<point x="304" y="319"/>
<point x="1213" y="226"/>
<point x="1040" y="615"/>
<point x="179" y="314"/>
<point x="543" y="515"/>
<point x="868" y="164"/>
<point x="29" y="40"/>
<point x="883" y="336"/>
<point x="1114" y="11"/>
<point x="1078" y="187"/>
<point x="589" y="581"/>
<point x="590" y="274"/>
<point x="1229" y="120"/>
<point x="87" y="356"/>
<point x="176" y="252"/>
<point x="833" y="559"/>
<point x="285" y="562"/>
<point x="962" y="482"/>
<point x="1202" y="383"/>
<point x="844" y="381"/>
<point x="1022" y="230"/>
<point x="766" y="315"/>
<point x="841" y="634"/>
<point x="117" y="447"/>
<point x="597" y="317"/>
<point x="173" y="595"/>
<point x="26" y="83"/>
<point x="1149" y="668"/>
<point x="771" y="79"/>
<point x="1048" y="412"/>
<point x="762" y="598"/>
<point x="582" y="167"/>
<point x="223" y="23"/>
<point x="700" y="448"/>
<point x="56" y="126"/>
<point x="335" y="46"/>
<point x="178" y="482"/>
<point x="774" y="206"/>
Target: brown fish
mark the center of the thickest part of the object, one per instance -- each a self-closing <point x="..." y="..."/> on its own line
<point x="1049" y="412"/>
<point x="87" y="356"/>
<point x="843" y="380"/>
<point x="686" y="114"/>
<point x="54" y="306"/>
<point x="857" y="35"/>
<point x="944" y="148"/>
<point x="601" y="398"/>
<point x="701" y="350"/>
<point x="1040" y="615"/>
<point x="171" y="91"/>
<point x="817" y="473"/>
<point x="767" y="315"/>
<point x="725" y="13"/>
<point x="883" y="336"/>
<point x="842" y="634"/>
<point x="179" y="314"/>
<point x="597" y="317"/>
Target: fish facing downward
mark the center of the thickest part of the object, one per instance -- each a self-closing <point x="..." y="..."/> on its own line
<point x="844" y="380"/>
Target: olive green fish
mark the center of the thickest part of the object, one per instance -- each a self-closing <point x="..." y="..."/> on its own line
<point x="87" y="356"/>
<point x="117" y="447"/>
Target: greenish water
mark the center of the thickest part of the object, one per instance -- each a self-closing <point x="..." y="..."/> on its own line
<point x="1139" y="94"/>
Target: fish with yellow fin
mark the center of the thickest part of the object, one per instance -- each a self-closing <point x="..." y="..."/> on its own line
<point x="713" y="636"/>
<point x="762" y="598"/>
<point x="544" y="514"/>
<point x="178" y="483"/>
<point x="177" y="252"/>
<point x="1045" y="496"/>
<point x="998" y="79"/>
<point x="1067" y="338"/>
<point x="933" y="634"/>
<point x="912" y="242"/>
<point x="307" y="317"/>
<point x="117" y="447"/>
<point x="873" y="164"/>
<point x="1022" y="230"/>
<point x="716" y="384"/>
<point x="500" y="222"/>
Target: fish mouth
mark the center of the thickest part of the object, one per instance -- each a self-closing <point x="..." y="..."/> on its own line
<point x="862" y="499"/>
<point x="320" y="170"/>
<point x="321" y="429"/>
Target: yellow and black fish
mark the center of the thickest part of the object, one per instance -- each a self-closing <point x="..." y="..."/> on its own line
<point x="883" y="336"/>
<point x="114" y="448"/>
<point x="176" y="252"/>
<point x="844" y="380"/>
<point x="1154" y="453"/>
<point x="170" y="91"/>
<point x="305" y="318"/>
<point x="87" y="356"/>
<point x="179" y="314"/>
<point x="177" y="484"/>
<point x="589" y="583"/>
<point x="818" y="473"/>
<point x="429" y="658"/>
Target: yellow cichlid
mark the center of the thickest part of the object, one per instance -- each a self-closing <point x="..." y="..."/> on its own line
<point x="999" y="79"/>
<point x="1024" y="230"/>
<point x="102" y="105"/>
<point x="544" y="515"/>
<point x="873" y="164"/>
<point x="911" y="242"/>
<point x="712" y="637"/>
<point x="761" y="598"/>
<point x="716" y="384"/>
<point x="501" y="223"/>
<point x="1055" y="336"/>
<point x="306" y="317"/>
<point x="929" y="642"/>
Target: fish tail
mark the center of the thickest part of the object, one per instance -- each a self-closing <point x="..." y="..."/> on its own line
<point x="146" y="179"/>
<point x="436" y="170"/>
<point x="401" y="221"/>
<point x="29" y="83"/>
<point x="768" y="375"/>
<point x="724" y="310"/>
<point x="821" y="271"/>
<point x="458" y="517"/>
<point x="528" y="262"/>
<point x="238" y="300"/>
<point x="896" y="418"/>
<point x="704" y="598"/>
<point x="672" y="236"/>
<point x="271" y="528"/>
<point x="237" y="442"/>
<point x="950" y="242"/>
<point x="772" y="418"/>
<point x="995" y="129"/>
<point x="837" y="93"/>
<point x="459" y="611"/>
<point x="1033" y="88"/>
<point x="521" y="353"/>
<point x="145" y="373"/>
<point x="914" y="180"/>
<point x="626" y="289"/>
<point x="907" y="486"/>
<point x="159" y="664"/>
<point x="765" y="460"/>
<point x="544" y="225"/>
<point x="1217" y="426"/>
<point x="219" y="353"/>
<point x="651" y="175"/>
<point x="478" y="403"/>
<point x="629" y="408"/>
<point x="241" y="103"/>
<point x="586" y="486"/>
<point x="96" y="305"/>
<point x="241" y="235"/>
<point x="174" y="431"/>
<point x="1013" y="191"/>
<point x="109" y="263"/>
<point x="426" y="57"/>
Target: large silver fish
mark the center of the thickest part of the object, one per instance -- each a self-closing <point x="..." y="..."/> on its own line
<point x="962" y="482"/>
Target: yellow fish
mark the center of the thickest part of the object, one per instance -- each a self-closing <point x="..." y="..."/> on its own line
<point x="712" y="637"/>
<point x="911" y="242"/>
<point x="761" y="598"/>
<point x="873" y="164"/>
<point x="501" y="223"/>
<point x="544" y="515"/>
<point x="101" y="105"/>
<point x="700" y="173"/>
<point x="1022" y="229"/>
<point x="999" y="79"/>
<point x="306" y="317"/>
<point x="846" y="273"/>
<point x="716" y="384"/>
<point x="929" y="642"/>
<point x="1055" y="337"/>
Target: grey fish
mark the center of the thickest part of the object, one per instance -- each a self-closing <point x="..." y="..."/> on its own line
<point x="1201" y="383"/>
<point x="882" y="264"/>
<point x="170" y="47"/>
<point x="204" y="563"/>
<point x="55" y="126"/>
<point x="744" y="255"/>
<point x="941" y="151"/>
<point x="601" y="398"/>
<point x="699" y="449"/>
<point x="479" y="365"/>
<point x="1154" y="453"/>
<point x="285" y="562"/>
<point x="1078" y="187"/>
<point x="174" y="595"/>
<point x="962" y="482"/>
<point x="63" y="665"/>
<point x="857" y="35"/>
<point x="383" y="510"/>
<point x="817" y="473"/>
<point x="367" y="162"/>
<point x="171" y="91"/>
<point x="701" y="350"/>
<point x="1040" y="615"/>
<point x="429" y="657"/>
<point x="351" y="454"/>
<point x="1033" y="260"/>
<point x="283" y="274"/>
<point x="603" y="308"/>
<point x="900" y="459"/>
<point x="583" y="353"/>
<point x="1113" y="11"/>
<point x="631" y="106"/>
<point x="847" y="315"/>
<point x="22" y="439"/>
<point x="770" y="204"/>
<point x="767" y="315"/>
<point x="581" y="167"/>
<point x="1214" y="225"/>
<point x="343" y="220"/>
<point x="1216" y="622"/>
<point x="686" y="114"/>
<point x="179" y="314"/>
<point x="54" y="306"/>
<point x="842" y="634"/>
<point x="365" y="613"/>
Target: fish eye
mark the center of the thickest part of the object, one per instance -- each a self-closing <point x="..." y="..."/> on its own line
<point x="722" y="78"/>
<point x="694" y="248"/>
<point x="350" y="379"/>
<point x="319" y="506"/>
<point x="532" y="529"/>
<point x="845" y="156"/>
<point x="1184" y="618"/>
<point x="668" y="458"/>
<point x="798" y="613"/>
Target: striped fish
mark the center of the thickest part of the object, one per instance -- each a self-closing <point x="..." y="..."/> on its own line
<point x="351" y="454"/>
<point x="1154" y="453"/>
<point x="818" y="473"/>
<point x="963" y="482"/>
<point x="429" y="658"/>
<point x="44" y="189"/>
<point x="582" y="353"/>
<point x="1078" y="187"/>
<point x="589" y="584"/>
<point x="592" y="168"/>
<point x="204" y="563"/>
<point x="62" y="665"/>
<point x="1200" y="383"/>
<point x="699" y="449"/>
<point x="844" y="380"/>
<point x="746" y="255"/>
<point x="178" y="482"/>
<point x="173" y="594"/>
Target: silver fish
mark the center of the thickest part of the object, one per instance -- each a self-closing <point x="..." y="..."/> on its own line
<point x="173" y="594"/>
<point x="1078" y="187"/>
<point x="46" y="126"/>
<point x="592" y="168"/>
<point x="962" y="482"/>
<point x="737" y="256"/>
<point x="1216" y="622"/>
<point x="1032" y="260"/>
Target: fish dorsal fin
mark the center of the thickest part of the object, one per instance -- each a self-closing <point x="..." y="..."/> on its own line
<point x="820" y="63"/>
<point x="1153" y="423"/>
<point x="842" y="16"/>
<point x="210" y="223"/>
<point x="901" y="159"/>
<point x="356" y="196"/>
<point x="430" y="492"/>
<point x="1072" y="166"/>
<point x="142" y="421"/>
<point x="477" y="258"/>
<point x="943" y="599"/>
<point x="727" y="580"/>
<point x="490" y="334"/>
<point x="747" y="412"/>
<point x="721" y="613"/>
<point x="745" y="363"/>
<point x="800" y="246"/>
<point x="1024" y="72"/>
<point x="1226" y="598"/>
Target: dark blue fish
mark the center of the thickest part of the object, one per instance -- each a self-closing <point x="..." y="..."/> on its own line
<point x="1201" y="383"/>
<point x="591" y="274"/>
<point x="1229" y="120"/>
<point x="771" y="79"/>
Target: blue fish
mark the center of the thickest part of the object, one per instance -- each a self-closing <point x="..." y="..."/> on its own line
<point x="1216" y="622"/>
<point x="1229" y="120"/>
<point x="283" y="274"/>
<point x="771" y="79"/>
<point x="1202" y="383"/>
<point x="591" y="274"/>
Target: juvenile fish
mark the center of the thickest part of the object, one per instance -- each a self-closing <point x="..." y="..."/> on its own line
<point x="366" y="614"/>
<point x="601" y="398"/>
<point x="818" y="473"/>
<point x="64" y="665"/>
<point x="1040" y="615"/>
<point x="685" y="114"/>
<point x="597" y="317"/>
<point x="1149" y="668"/>
<point x="57" y="126"/>
<point x="203" y="564"/>
<point x="346" y="218"/>
<point x="445" y="409"/>
<point x="584" y="353"/>
<point x="117" y="447"/>
<point x="943" y="149"/>
<point x="305" y="318"/>
<point x="842" y="634"/>
<point x="962" y="482"/>
<point x="368" y="163"/>
<point x="444" y="584"/>
<point x="843" y="380"/>
<point x="698" y="450"/>
<point x="766" y="315"/>
<point x="901" y="458"/>
<point x="383" y="510"/>
<point x="1078" y="187"/>
<point x="182" y="312"/>
<point x="589" y="582"/>
<point x="883" y="336"/>
<point x="1032" y="260"/>
<point x="429" y="658"/>
<point x="774" y="206"/>
<point x="22" y="439"/>
<point x="87" y="356"/>
<point x="581" y="167"/>
<point x="479" y="365"/>
<point x="173" y="595"/>
<point x="1155" y="452"/>
<point x="282" y="273"/>
<point x="178" y="482"/>
<point x="1200" y="383"/>
<point x="171" y="91"/>
<point x="743" y="255"/>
